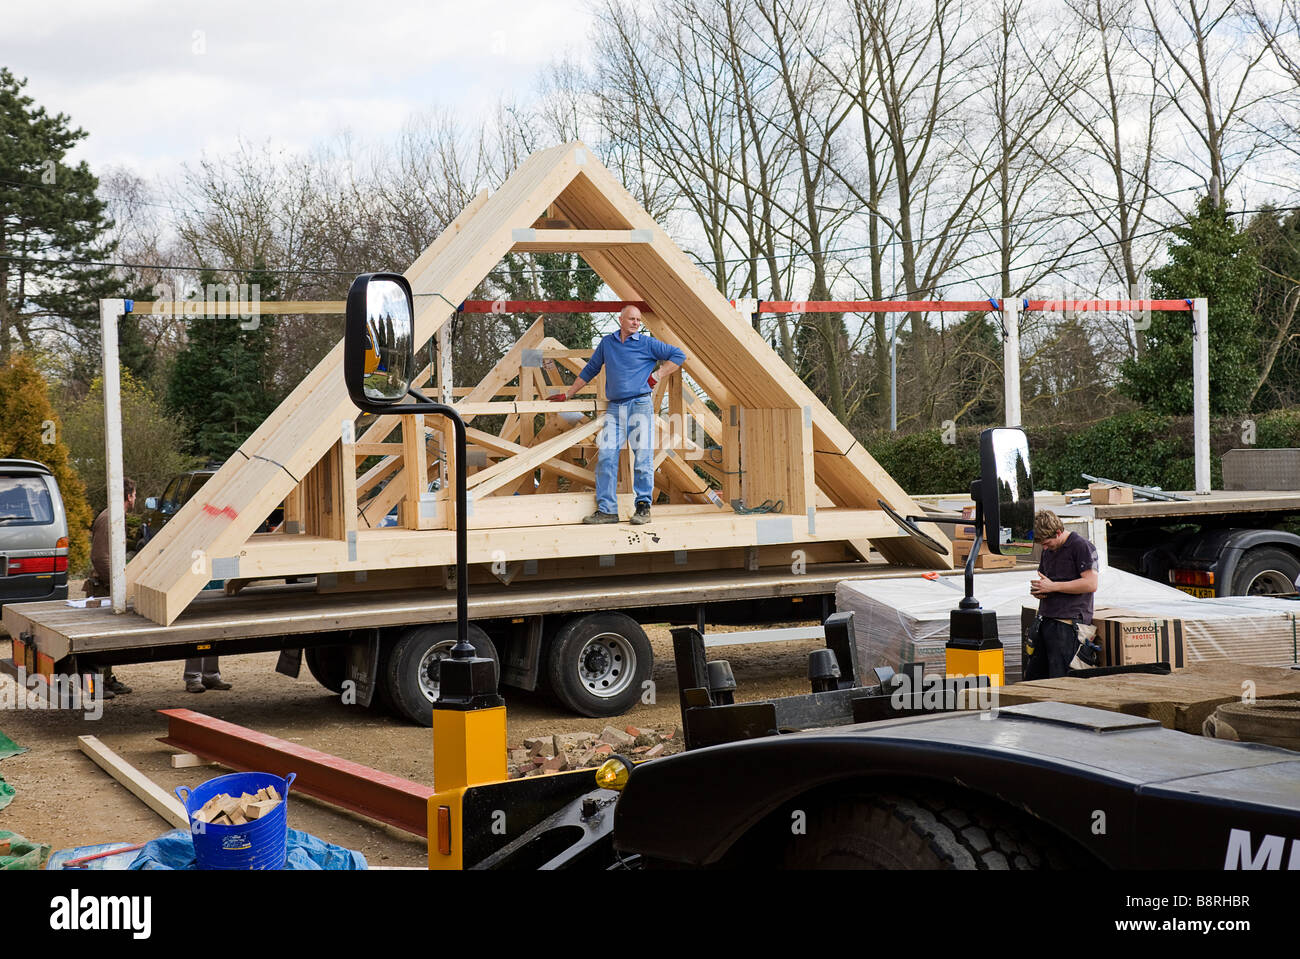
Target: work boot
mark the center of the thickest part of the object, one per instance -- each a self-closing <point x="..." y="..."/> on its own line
<point x="217" y="684"/>
<point x="642" y="514"/>
<point x="600" y="517"/>
<point x="195" y="687"/>
<point x="115" y="686"/>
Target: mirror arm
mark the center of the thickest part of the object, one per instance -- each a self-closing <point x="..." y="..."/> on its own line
<point x="969" y="601"/>
<point x="462" y="649"/>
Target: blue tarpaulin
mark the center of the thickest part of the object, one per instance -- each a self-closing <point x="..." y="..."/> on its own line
<point x="175" y="850"/>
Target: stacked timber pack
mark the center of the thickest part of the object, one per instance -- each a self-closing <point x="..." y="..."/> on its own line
<point x="735" y="426"/>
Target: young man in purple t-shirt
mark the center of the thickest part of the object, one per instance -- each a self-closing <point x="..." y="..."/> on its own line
<point x="1066" y="580"/>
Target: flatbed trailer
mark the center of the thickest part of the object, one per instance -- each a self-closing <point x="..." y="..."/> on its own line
<point x="558" y="634"/>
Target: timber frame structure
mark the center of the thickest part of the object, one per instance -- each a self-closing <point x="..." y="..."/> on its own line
<point x="739" y="417"/>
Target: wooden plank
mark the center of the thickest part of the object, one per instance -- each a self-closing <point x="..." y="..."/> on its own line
<point x="468" y="410"/>
<point x="496" y="444"/>
<point x="482" y="483"/>
<point x="574" y="241"/>
<point x="348" y="482"/>
<point x="376" y="473"/>
<point x="377" y="449"/>
<point x="239" y="308"/>
<point x="141" y="786"/>
<point x="392" y="548"/>
<point x="527" y="415"/>
<point x="293" y="510"/>
<point x="416" y="472"/>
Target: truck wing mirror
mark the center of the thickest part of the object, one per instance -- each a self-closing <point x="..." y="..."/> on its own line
<point x="379" y="341"/>
<point x="1006" y="490"/>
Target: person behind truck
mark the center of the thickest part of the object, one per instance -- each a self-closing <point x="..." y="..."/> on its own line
<point x="203" y="673"/>
<point x="629" y="357"/>
<point x="101" y="551"/>
<point x="1064" y="587"/>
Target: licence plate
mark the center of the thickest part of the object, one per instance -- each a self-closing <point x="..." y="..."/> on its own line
<point x="1201" y="592"/>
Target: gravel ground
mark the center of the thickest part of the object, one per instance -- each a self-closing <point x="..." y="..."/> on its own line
<point x="65" y="800"/>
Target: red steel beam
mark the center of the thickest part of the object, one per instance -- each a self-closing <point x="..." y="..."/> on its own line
<point x="378" y="795"/>
<point x="837" y="306"/>
<point x="963" y="306"/>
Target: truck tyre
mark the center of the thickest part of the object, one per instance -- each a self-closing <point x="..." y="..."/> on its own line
<point x="598" y="662"/>
<point x="413" y="665"/>
<point x="1265" y="571"/>
<point x="923" y="831"/>
<point x="328" y="665"/>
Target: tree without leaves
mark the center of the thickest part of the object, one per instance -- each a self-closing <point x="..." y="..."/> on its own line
<point x="1112" y="171"/>
<point x="920" y="63"/>
<point x="1205" y="51"/>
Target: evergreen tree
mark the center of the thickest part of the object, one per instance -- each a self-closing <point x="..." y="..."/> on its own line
<point x="1208" y="257"/>
<point x="30" y="430"/>
<point x="49" y="218"/>
<point x="220" y="382"/>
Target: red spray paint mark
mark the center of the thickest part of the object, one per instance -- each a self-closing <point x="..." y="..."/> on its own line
<point x="213" y="511"/>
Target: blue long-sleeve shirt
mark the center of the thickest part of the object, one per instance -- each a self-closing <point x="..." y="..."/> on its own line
<point x="629" y="363"/>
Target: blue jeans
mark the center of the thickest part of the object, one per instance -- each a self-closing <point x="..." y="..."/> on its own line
<point x="630" y="423"/>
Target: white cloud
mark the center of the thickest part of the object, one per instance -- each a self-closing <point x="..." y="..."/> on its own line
<point x="154" y="82"/>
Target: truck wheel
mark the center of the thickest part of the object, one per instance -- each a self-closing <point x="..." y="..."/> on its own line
<point x="598" y="662"/>
<point x="1265" y="571"/>
<point x="414" y="663"/>
<point x="888" y="831"/>
<point x="328" y="665"/>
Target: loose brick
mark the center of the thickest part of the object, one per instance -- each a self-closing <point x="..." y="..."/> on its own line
<point x="615" y="737"/>
<point x="540" y="746"/>
<point x="570" y="740"/>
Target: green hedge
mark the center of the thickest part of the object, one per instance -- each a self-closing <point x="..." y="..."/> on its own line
<point x="1134" y="447"/>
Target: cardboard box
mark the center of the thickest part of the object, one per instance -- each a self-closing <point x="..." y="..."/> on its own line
<point x="1127" y="638"/>
<point x="963" y="531"/>
<point x="986" y="558"/>
<point x="1103" y="495"/>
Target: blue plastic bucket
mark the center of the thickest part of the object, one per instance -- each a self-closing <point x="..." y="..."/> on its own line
<point x="260" y="844"/>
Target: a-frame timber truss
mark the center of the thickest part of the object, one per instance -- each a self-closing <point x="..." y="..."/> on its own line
<point x="738" y="417"/>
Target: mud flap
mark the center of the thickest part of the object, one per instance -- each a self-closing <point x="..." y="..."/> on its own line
<point x="290" y="662"/>
<point x="363" y="668"/>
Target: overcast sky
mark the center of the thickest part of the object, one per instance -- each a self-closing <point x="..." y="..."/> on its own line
<point x="157" y="82"/>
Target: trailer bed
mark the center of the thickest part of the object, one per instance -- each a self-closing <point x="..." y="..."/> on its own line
<point x="260" y="616"/>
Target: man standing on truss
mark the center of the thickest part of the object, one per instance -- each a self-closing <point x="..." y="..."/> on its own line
<point x="629" y="358"/>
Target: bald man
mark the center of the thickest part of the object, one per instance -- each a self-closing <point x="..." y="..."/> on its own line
<point x="629" y="358"/>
